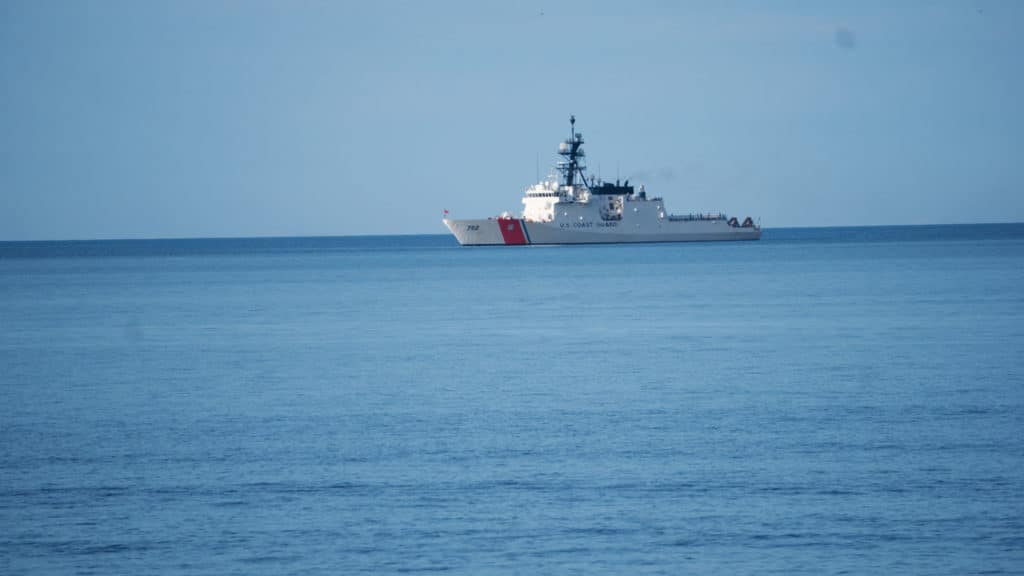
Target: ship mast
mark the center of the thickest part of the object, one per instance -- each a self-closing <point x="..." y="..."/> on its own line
<point x="572" y="151"/>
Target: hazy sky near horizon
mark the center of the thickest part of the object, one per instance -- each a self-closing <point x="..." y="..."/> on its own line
<point x="127" y="119"/>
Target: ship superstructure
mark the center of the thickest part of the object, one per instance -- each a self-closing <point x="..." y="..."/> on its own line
<point x="569" y="208"/>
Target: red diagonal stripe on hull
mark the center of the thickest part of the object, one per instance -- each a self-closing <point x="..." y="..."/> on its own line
<point x="511" y="231"/>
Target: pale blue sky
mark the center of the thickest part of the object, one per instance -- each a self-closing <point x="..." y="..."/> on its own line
<point x="215" y="118"/>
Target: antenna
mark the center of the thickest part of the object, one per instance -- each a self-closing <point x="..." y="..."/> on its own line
<point x="572" y="152"/>
<point x="538" y="167"/>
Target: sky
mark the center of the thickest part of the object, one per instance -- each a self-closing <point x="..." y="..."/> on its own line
<point x="161" y="119"/>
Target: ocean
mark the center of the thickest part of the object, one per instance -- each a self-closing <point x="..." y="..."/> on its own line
<point x="823" y="401"/>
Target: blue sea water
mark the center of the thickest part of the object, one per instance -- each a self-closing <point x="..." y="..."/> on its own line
<point x="824" y="401"/>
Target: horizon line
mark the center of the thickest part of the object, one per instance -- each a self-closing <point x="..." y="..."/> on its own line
<point x="315" y="236"/>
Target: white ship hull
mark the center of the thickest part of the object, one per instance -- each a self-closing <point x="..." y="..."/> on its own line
<point x="518" y="231"/>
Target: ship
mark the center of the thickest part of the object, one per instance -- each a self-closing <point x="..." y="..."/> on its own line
<point x="569" y="208"/>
